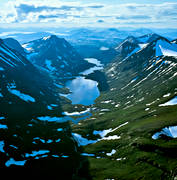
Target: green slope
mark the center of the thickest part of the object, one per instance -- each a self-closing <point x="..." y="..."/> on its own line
<point x="136" y="89"/>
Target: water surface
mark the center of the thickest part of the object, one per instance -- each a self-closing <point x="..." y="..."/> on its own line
<point x="83" y="91"/>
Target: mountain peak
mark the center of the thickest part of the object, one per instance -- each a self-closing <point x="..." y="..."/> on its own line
<point x="148" y="38"/>
<point x="50" y="37"/>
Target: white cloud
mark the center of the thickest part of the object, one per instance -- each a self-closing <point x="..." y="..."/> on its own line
<point x="78" y="13"/>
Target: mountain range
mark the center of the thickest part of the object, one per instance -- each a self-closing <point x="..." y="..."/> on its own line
<point x="131" y="132"/>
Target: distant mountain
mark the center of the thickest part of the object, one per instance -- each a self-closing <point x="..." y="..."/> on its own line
<point x="105" y="55"/>
<point x="132" y="44"/>
<point x="112" y="35"/>
<point x="125" y="48"/>
<point x="89" y="41"/>
<point x="148" y="38"/>
<point x="25" y="36"/>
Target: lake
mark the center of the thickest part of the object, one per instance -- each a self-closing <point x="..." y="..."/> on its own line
<point x="84" y="91"/>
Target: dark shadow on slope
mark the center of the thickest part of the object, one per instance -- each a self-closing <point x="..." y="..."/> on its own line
<point x="26" y="135"/>
<point x="27" y="144"/>
<point x="100" y="78"/>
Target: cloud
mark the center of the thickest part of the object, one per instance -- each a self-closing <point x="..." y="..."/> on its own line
<point x="52" y="16"/>
<point x="133" y="17"/>
<point x="100" y="21"/>
<point x="69" y="8"/>
<point x="131" y="7"/>
<point x="27" y="8"/>
<point x="82" y="13"/>
<point x="96" y="6"/>
<point x="168" y="11"/>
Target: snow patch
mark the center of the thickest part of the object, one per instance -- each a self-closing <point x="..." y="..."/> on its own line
<point x="170" y="103"/>
<point x="12" y="161"/>
<point x="45" y="38"/>
<point x="143" y="45"/>
<point x="120" y="159"/>
<point x="166" y="95"/>
<point x="76" y="113"/>
<point x="49" y="65"/>
<point x="111" y="153"/>
<point x="2" y="146"/>
<point x="104" y="48"/>
<point x="81" y="140"/>
<point x="60" y="129"/>
<point x="2" y="69"/>
<point x="84" y="141"/>
<point x="54" y="119"/>
<point x="21" y="95"/>
<point x="3" y="126"/>
<point x="165" y="48"/>
<point x="86" y="154"/>
<point x="168" y="131"/>
<point x="36" y="153"/>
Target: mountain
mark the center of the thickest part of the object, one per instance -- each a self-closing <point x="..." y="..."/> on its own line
<point x="148" y="38"/>
<point x="132" y="44"/>
<point x="130" y="116"/>
<point x="108" y="36"/>
<point x="14" y="44"/>
<point x="128" y="133"/>
<point x="16" y="73"/>
<point x="89" y="41"/>
<point x="125" y="48"/>
<point x="56" y="56"/>
<point x="34" y="135"/>
<point x="25" y="35"/>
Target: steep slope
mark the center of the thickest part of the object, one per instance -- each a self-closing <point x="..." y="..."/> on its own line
<point x="132" y="45"/>
<point x="34" y="137"/>
<point x="56" y="56"/>
<point x="141" y="102"/>
<point x="16" y="73"/>
<point x="14" y="44"/>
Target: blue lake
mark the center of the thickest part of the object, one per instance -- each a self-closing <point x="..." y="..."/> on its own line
<point x="83" y="91"/>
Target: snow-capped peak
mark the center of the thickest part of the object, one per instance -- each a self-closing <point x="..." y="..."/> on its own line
<point x="45" y="38"/>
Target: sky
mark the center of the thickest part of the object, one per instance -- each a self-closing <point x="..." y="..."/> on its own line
<point x="89" y="13"/>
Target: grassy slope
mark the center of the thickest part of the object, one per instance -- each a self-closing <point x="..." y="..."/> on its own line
<point x="145" y="158"/>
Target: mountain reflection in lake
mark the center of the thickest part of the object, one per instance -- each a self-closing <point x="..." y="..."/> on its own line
<point x="83" y="91"/>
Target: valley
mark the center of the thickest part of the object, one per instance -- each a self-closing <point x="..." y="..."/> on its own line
<point x="89" y="117"/>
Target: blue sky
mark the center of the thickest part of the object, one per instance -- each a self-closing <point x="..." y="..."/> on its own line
<point x="89" y="13"/>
